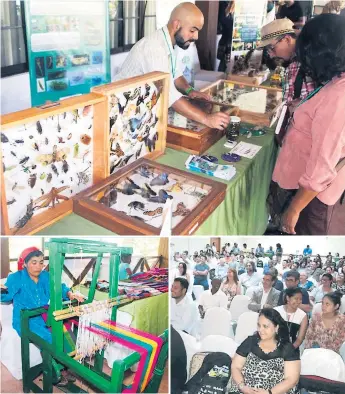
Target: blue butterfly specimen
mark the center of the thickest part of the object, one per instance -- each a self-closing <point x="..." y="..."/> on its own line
<point x="135" y="123"/>
<point x="160" y="180"/>
<point x="161" y="198"/>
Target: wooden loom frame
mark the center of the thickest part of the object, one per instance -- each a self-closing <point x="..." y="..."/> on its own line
<point x="55" y="352"/>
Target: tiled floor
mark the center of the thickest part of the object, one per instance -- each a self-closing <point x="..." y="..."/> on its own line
<point x="10" y="385"/>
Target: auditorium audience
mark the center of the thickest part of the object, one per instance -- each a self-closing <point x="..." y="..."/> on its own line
<point x="221" y="269"/>
<point x="231" y="286"/>
<point x="304" y="283"/>
<point x="265" y="297"/>
<point x="326" y="329"/>
<point x="296" y="319"/>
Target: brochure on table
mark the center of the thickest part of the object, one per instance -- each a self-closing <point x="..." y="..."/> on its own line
<point x="68" y="47"/>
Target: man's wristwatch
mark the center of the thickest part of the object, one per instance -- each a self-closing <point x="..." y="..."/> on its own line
<point x="190" y="89"/>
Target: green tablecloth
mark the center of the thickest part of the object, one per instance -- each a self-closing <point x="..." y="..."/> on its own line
<point x="243" y="212"/>
<point x="149" y="314"/>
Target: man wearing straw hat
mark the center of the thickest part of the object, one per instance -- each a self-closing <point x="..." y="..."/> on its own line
<point x="279" y="38"/>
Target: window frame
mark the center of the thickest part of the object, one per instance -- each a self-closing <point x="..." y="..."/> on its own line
<point x="20" y="68"/>
<point x="140" y="25"/>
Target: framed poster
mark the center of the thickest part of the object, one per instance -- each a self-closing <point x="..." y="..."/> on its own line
<point x="249" y="17"/>
<point x="68" y="47"/>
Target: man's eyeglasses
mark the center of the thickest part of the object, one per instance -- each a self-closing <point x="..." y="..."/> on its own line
<point x="272" y="47"/>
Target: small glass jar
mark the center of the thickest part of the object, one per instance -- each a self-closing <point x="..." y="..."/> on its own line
<point x="233" y="130"/>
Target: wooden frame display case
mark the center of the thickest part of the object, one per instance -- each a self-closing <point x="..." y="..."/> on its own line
<point x="47" y="157"/>
<point x="193" y="137"/>
<point x="258" y="105"/>
<point x="246" y="77"/>
<point x="137" y="119"/>
<point x="131" y="201"/>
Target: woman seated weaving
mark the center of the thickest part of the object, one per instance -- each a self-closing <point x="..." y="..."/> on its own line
<point x="29" y="288"/>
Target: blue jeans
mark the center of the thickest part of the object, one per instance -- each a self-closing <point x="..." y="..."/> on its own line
<point x="203" y="282"/>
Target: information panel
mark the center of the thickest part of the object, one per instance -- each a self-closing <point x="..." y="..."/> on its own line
<point x="68" y="47"/>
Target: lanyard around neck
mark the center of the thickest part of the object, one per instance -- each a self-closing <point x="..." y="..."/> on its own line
<point x="173" y="68"/>
<point x="312" y="94"/>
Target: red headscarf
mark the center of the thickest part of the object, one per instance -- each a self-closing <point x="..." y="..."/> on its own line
<point x="24" y="254"/>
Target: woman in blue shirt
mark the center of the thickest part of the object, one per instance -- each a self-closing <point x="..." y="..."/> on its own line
<point x="28" y="289"/>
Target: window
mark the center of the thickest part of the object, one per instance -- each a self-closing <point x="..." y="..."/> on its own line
<point x="13" y="38"/>
<point x="129" y="22"/>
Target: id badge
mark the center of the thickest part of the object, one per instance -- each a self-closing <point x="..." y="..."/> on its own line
<point x="282" y="118"/>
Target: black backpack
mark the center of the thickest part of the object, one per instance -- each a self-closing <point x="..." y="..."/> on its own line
<point x="213" y="375"/>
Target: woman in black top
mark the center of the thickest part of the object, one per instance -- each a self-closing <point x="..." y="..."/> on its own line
<point x="266" y="363"/>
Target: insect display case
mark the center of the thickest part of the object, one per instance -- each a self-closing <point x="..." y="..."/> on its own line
<point x="137" y="119"/>
<point x="193" y="137"/>
<point x="132" y="200"/>
<point x="258" y="105"/>
<point x="47" y="157"/>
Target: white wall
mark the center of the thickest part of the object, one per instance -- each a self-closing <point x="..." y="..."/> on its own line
<point x="15" y="90"/>
<point x="319" y="245"/>
<point x="163" y="10"/>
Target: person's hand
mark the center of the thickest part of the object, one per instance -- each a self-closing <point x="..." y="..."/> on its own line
<point x="249" y="390"/>
<point x="195" y="94"/>
<point x="3" y="287"/>
<point x="78" y="297"/>
<point x="267" y="306"/>
<point x="217" y="120"/>
<point x="289" y="221"/>
<point x="260" y="391"/>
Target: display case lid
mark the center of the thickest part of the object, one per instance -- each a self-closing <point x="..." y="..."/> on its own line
<point x="138" y="117"/>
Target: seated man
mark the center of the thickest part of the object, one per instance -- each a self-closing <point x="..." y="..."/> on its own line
<point x="200" y="273"/>
<point x="183" y="312"/>
<point x="291" y="282"/>
<point x="250" y="278"/>
<point x="221" y="269"/>
<point x="212" y="298"/>
<point x="267" y="297"/>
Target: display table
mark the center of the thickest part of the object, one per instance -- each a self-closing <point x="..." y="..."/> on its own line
<point x="243" y="212"/>
<point x="149" y="314"/>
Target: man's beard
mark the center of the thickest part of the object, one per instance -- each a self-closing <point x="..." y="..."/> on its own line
<point x="180" y="42"/>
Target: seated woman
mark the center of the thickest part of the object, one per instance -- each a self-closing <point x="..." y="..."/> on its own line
<point x="231" y="286"/>
<point x="309" y="175"/>
<point x="326" y="287"/>
<point x="296" y="319"/>
<point x="339" y="285"/>
<point x="29" y="289"/>
<point x="304" y="282"/>
<point x="183" y="273"/>
<point x="326" y="330"/>
<point x="266" y="363"/>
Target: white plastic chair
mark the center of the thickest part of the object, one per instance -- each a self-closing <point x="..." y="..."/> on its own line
<point x="10" y="345"/>
<point x="219" y="343"/>
<point x="239" y="305"/>
<point x="217" y="321"/>
<point x="246" y="326"/>
<point x="197" y="290"/>
<point x="324" y="363"/>
<point x="342" y="306"/>
<point x="192" y="346"/>
<point x="342" y="351"/>
<point x="250" y="291"/>
<point x="317" y="309"/>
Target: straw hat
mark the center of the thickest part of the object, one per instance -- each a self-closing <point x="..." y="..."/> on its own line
<point x="275" y="29"/>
